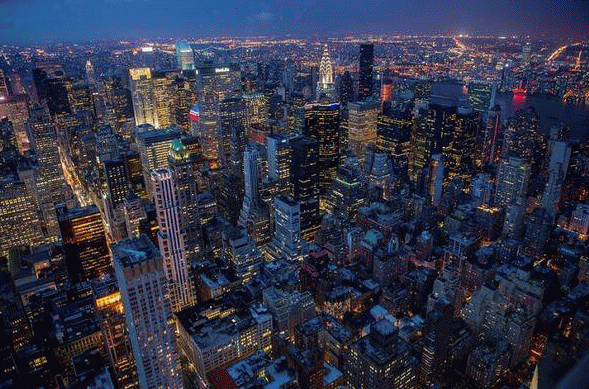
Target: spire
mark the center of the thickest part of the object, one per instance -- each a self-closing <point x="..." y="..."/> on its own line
<point x="325" y="68"/>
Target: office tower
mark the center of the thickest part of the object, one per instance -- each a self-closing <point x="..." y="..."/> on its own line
<point x="122" y="101"/>
<point x="81" y="99"/>
<point x="231" y="134"/>
<point x="346" y="88"/>
<point x="279" y="159"/>
<point x="325" y="85"/>
<point x="481" y="95"/>
<point x="144" y="291"/>
<point x="362" y="123"/>
<point x="154" y="147"/>
<point x="346" y="194"/>
<point x="437" y="341"/>
<point x="256" y="105"/>
<point x="90" y="75"/>
<point x="19" y="223"/>
<point x="366" y="70"/>
<point x="322" y="123"/>
<point x="240" y="252"/>
<point x="213" y="85"/>
<point x="381" y="360"/>
<point x="393" y="133"/>
<point x="304" y="175"/>
<point x="436" y="179"/>
<point x="52" y="86"/>
<point x="16" y="110"/>
<point x="514" y="218"/>
<point x="287" y="228"/>
<point x="143" y="96"/>
<point x="526" y="50"/>
<point x="184" y="96"/>
<point x="110" y="314"/>
<point x="171" y="239"/>
<point x="251" y="175"/>
<point x="117" y="180"/>
<point x="3" y="86"/>
<point x="184" y="55"/>
<point x="560" y="155"/>
<point x="163" y="99"/>
<point x="492" y="143"/>
<point x="134" y="212"/>
<point x="459" y="127"/>
<point x="512" y="180"/>
<point x="84" y="242"/>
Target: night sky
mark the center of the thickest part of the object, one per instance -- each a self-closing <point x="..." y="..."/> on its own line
<point x="28" y="21"/>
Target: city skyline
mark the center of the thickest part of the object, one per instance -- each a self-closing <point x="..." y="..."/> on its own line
<point x="30" y="22"/>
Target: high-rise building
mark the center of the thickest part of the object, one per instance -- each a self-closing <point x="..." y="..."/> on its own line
<point x="381" y="360"/>
<point x="143" y="285"/>
<point x="305" y="181"/>
<point x="256" y="104"/>
<point x="512" y="180"/>
<point x="154" y="147"/>
<point x="110" y="314"/>
<point x="184" y="55"/>
<point x="481" y="95"/>
<point x="279" y="159"/>
<point x="366" y="71"/>
<point x="491" y="143"/>
<point x="3" y="86"/>
<point x="51" y="182"/>
<point x="322" y="123"/>
<point x="232" y="140"/>
<point x="143" y="96"/>
<point x="19" y="223"/>
<point x="184" y="97"/>
<point x="171" y="239"/>
<point x="90" y="75"/>
<point x="213" y="85"/>
<point x="346" y="88"/>
<point x="325" y="85"/>
<point x="84" y="242"/>
<point x="560" y="155"/>
<point x="362" y="124"/>
<point x="161" y="84"/>
<point x="52" y="86"/>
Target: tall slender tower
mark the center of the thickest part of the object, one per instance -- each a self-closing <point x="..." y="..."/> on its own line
<point x="325" y="84"/>
<point x="322" y="123"/>
<point x="366" y="70"/>
<point x="90" y="75"/>
<point x="142" y="281"/>
<point x="143" y="96"/>
<point x="171" y="239"/>
<point x="184" y="55"/>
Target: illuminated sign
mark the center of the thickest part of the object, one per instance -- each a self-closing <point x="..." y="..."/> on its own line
<point x="221" y="70"/>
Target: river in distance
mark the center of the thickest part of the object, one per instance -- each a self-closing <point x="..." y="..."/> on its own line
<point x="552" y="112"/>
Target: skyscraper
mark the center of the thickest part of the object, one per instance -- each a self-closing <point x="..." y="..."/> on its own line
<point x="90" y="75"/>
<point x="171" y="239"/>
<point x="213" y="85"/>
<point x="305" y="181"/>
<point x="3" y="85"/>
<point x="142" y="281"/>
<point x="19" y="223"/>
<point x="512" y="180"/>
<point x="481" y="95"/>
<point x="362" y="124"/>
<point x="154" y="147"/>
<point x="142" y="93"/>
<point x="322" y="123"/>
<point x="184" y="55"/>
<point x="366" y="70"/>
<point x="325" y="86"/>
<point x="52" y="86"/>
<point x="560" y="155"/>
<point x="84" y="242"/>
<point x="279" y="159"/>
<point x="231" y="134"/>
